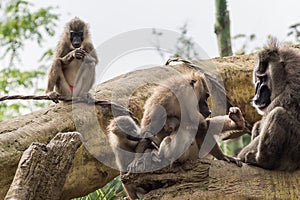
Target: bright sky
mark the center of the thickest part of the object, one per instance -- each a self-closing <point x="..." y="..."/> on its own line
<point x="111" y="18"/>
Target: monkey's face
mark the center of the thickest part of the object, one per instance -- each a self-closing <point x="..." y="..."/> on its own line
<point x="201" y="89"/>
<point x="76" y="38"/>
<point x="268" y="66"/>
<point x="77" y="29"/>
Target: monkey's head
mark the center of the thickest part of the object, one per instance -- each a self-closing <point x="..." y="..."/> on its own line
<point x="276" y="71"/>
<point x="77" y="30"/>
<point x="197" y="81"/>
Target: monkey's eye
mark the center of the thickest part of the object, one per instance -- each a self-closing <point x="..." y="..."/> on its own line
<point x="80" y="33"/>
<point x="72" y="34"/>
<point x="193" y="82"/>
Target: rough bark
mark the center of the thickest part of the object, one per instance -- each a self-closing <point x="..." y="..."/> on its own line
<point x="130" y="90"/>
<point x="207" y="179"/>
<point x="42" y="169"/>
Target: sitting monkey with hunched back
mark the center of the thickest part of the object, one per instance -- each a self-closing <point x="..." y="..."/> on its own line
<point x="174" y="126"/>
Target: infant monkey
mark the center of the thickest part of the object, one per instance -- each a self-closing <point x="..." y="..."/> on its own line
<point x="177" y="131"/>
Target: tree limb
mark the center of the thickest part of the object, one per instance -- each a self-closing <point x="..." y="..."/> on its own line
<point x="130" y="90"/>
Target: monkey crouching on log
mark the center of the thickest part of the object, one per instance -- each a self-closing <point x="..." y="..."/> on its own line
<point x="73" y="70"/>
<point x="275" y="141"/>
<point x="174" y="126"/>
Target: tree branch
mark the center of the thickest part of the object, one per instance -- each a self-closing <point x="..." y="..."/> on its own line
<point x="129" y="90"/>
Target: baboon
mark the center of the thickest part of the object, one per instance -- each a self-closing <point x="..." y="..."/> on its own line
<point x="275" y="138"/>
<point x="169" y="146"/>
<point x="178" y="107"/>
<point x="73" y="70"/>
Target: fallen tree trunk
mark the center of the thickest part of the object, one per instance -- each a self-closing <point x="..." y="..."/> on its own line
<point x="207" y="179"/>
<point x="43" y="168"/>
<point x="130" y="90"/>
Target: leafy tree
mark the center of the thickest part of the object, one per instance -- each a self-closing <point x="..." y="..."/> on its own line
<point x="18" y="25"/>
<point x="294" y="31"/>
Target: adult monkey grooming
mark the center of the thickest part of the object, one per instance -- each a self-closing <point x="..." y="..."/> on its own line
<point x="275" y="139"/>
<point x="177" y="107"/>
<point x="73" y="70"/>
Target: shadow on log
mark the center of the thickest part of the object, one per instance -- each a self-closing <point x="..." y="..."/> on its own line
<point x="212" y="179"/>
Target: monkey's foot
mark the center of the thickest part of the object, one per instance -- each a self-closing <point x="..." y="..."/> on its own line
<point x="236" y="161"/>
<point x="89" y="98"/>
<point x="53" y="96"/>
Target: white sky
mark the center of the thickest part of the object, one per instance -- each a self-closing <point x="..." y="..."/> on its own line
<point x="112" y="17"/>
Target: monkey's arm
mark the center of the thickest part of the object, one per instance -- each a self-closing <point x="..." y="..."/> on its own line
<point x="76" y="53"/>
<point x="233" y="121"/>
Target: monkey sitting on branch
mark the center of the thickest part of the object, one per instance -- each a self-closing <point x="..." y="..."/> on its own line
<point x="275" y="138"/>
<point x="73" y="70"/>
<point x="178" y="111"/>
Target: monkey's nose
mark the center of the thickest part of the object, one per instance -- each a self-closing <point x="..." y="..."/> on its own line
<point x="76" y="45"/>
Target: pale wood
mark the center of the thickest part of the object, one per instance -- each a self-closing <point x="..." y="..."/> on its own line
<point x="87" y="173"/>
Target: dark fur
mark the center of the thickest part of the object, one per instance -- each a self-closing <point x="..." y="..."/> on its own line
<point x="275" y="141"/>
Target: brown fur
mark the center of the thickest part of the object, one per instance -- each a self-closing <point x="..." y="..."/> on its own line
<point x="72" y="67"/>
<point x="179" y="102"/>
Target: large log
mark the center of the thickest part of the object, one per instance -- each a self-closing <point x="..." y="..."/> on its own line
<point x="130" y="90"/>
<point x="43" y="168"/>
<point x="211" y="179"/>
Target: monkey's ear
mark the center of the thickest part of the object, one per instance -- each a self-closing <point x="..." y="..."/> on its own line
<point x="192" y="82"/>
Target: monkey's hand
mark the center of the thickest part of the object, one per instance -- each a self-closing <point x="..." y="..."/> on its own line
<point x="236" y="115"/>
<point x="53" y="96"/>
<point x="79" y="53"/>
<point x="236" y="161"/>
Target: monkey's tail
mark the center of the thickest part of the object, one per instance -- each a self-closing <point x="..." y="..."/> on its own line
<point x="117" y="109"/>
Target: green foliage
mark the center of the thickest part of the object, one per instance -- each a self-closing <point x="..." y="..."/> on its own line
<point x="18" y="25"/>
<point x="244" y="42"/>
<point x="184" y="47"/>
<point x="12" y="81"/>
<point x="294" y="31"/>
<point x="112" y="191"/>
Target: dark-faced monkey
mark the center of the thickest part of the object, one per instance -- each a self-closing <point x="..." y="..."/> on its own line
<point x="177" y="108"/>
<point x="73" y="70"/>
<point x="275" y="139"/>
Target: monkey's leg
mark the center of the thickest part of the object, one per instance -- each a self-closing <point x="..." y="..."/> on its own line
<point x="56" y="78"/>
<point x="207" y="144"/>
<point x="217" y="153"/>
<point x="255" y="130"/>
<point x="84" y="80"/>
<point x="279" y="131"/>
